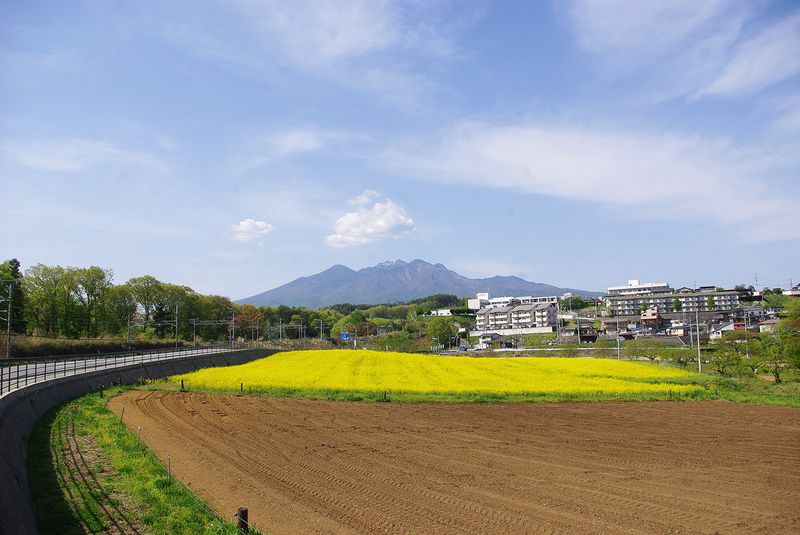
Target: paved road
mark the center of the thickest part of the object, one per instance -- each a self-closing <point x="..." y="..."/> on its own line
<point x="20" y="375"/>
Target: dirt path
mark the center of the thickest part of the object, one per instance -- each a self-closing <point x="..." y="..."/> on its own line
<point x="305" y="466"/>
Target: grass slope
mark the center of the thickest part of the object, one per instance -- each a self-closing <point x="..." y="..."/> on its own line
<point x="89" y="474"/>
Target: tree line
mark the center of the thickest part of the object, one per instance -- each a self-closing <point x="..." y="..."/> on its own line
<point x="74" y="302"/>
<point x="86" y="303"/>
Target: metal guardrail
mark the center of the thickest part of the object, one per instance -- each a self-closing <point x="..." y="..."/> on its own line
<point x="19" y="373"/>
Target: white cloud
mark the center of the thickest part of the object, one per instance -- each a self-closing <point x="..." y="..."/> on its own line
<point x="364" y="198"/>
<point x="266" y="149"/>
<point x="249" y="230"/>
<point x="631" y="33"/>
<point x="319" y="32"/>
<point x="684" y="48"/>
<point x="298" y="140"/>
<point x="27" y="68"/>
<point x="356" y="44"/>
<point x="72" y="155"/>
<point x="788" y="112"/>
<point x="369" y="224"/>
<point x="637" y="175"/>
<point x="767" y="58"/>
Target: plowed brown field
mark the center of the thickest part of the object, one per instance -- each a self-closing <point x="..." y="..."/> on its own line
<point x="304" y="466"/>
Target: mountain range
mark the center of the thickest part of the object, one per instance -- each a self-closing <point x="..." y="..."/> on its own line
<point x="394" y="281"/>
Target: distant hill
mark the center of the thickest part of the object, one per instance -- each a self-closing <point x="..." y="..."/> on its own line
<point x="390" y="282"/>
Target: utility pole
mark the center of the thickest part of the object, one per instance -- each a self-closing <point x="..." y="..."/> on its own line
<point x="558" y="321"/>
<point x="128" y="344"/>
<point x="194" y="332"/>
<point x="320" y="330"/>
<point x="280" y="328"/>
<point x="699" y="362"/>
<point x="747" y="334"/>
<point x="176" y="325"/>
<point x="8" y="322"/>
<point x="233" y="326"/>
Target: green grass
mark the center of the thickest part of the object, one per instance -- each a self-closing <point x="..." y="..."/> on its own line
<point x="443" y="396"/>
<point x="749" y="389"/>
<point x="714" y="388"/>
<point x="114" y="482"/>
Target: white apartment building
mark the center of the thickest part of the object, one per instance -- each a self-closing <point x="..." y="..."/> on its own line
<point x="515" y="317"/>
<point x="533" y="315"/>
<point x="482" y="300"/>
<point x="630" y="304"/>
<point x="634" y="287"/>
<point x="793" y="292"/>
<point x="492" y="318"/>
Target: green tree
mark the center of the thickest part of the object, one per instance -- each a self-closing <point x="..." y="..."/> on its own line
<point x="681" y="356"/>
<point x="650" y="348"/>
<point x="117" y="307"/>
<point x="247" y="319"/>
<point x="677" y="306"/>
<point x="767" y="349"/>
<point x="788" y="331"/>
<point x="710" y="303"/>
<point x="148" y="291"/>
<point x="732" y="352"/>
<point x="51" y="307"/>
<point x="12" y="276"/>
<point x="91" y="284"/>
<point x="442" y="329"/>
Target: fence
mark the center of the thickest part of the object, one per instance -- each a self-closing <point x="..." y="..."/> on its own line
<point x="19" y="373"/>
<point x="20" y="408"/>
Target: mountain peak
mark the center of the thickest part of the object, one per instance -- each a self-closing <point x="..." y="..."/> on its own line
<point x="391" y="263"/>
<point x="392" y="281"/>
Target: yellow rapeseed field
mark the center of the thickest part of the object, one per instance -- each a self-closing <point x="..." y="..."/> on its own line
<point x="374" y="371"/>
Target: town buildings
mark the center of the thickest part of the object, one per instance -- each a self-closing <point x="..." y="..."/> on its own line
<point x="514" y="315"/>
<point x="793" y="291"/>
<point x="482" y="300"/>
<point x="637" y="297"/>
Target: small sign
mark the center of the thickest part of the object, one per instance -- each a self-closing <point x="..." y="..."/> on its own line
<point x="345" y="336"/>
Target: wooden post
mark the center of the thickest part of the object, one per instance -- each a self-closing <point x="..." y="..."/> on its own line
<point x="241" y="520"/>
<point x="122" y="416"/>
<point x="182" y="389"/>
<point x="241" y="388"/>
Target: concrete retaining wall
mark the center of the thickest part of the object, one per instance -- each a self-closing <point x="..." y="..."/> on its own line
<point x="20" y="409"/>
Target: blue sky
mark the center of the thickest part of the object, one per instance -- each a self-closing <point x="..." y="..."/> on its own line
<point x="233" y="146"/>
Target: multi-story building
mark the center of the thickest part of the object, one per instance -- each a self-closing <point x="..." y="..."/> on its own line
<point x="482" y="300"/>
<point x="533" y="315"/>
<point x="516" y="317"/>
<point x="491" y="318"/>
<point x="634" y="287"/>
<point x="664" y="299"/>
<point x="793" y="292"/>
